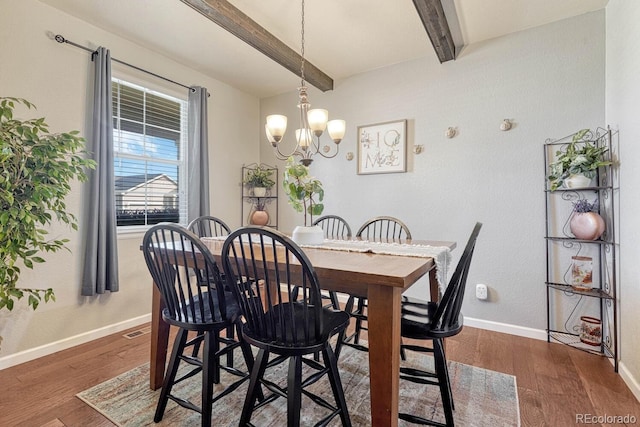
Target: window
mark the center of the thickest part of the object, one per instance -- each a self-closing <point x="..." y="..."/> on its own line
<point x="150" y="139"/>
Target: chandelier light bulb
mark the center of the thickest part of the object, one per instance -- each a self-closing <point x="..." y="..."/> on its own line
<point x="276" y="126"/>
<point x="318" y="120"/>
<point x="303" y="136"/>
<point x="337" y="129"/>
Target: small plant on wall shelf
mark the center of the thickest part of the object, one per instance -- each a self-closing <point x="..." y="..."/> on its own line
<point x="36" y="170"/>
<point x="259" y="177"/>
<point x="580" y="157"/>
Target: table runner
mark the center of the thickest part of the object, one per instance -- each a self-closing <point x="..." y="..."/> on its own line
<point x="440" y="254"/>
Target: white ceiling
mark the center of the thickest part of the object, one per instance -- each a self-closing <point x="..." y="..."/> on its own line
<point x="342" y="37"/>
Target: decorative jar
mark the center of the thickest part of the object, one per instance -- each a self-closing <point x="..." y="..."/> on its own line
<point x="590" y="330"/>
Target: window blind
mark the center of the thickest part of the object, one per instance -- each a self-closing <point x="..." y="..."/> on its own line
<point x="149" y="155"/>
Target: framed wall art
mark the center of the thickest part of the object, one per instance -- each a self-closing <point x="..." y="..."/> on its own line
<point x="382" y="148"/>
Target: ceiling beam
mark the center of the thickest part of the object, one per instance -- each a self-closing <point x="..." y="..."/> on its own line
<point x="246" y="29"/>
<point x="435" y="22"/>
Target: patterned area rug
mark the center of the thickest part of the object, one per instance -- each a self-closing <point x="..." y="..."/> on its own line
<point x="482" y="397"/>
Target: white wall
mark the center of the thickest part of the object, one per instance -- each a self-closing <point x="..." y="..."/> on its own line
<point x="622" y="107"/>
<point x="548" y="80"/>
<point x="55" y="77"/>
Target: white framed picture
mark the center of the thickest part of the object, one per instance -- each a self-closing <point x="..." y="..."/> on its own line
<point x="382" y="148"/>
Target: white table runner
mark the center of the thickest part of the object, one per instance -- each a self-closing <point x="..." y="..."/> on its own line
<point x="440" y="254"/>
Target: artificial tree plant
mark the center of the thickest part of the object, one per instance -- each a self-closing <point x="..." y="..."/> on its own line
<point x="305" y="192"/>
<point x="36" y="171"/>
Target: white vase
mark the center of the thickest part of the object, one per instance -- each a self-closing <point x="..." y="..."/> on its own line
<point x="313" y="235"/>
<point x="259" y="191"/>
<point x="577" y="181"/>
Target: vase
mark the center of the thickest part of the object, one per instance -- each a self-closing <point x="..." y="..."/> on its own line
<point x="304" y="235"/>
<point x="587" y="225"/>
<point x="259" y="191"/>
<point x="259" y="217"/>
<point x="577" y="181"/>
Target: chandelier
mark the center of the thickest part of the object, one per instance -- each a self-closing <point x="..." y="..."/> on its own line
<point x="313" y="123"/>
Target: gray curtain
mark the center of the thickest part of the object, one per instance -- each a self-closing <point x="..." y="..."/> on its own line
<point x="101" y="255"/>
<point x="198" y="158"/>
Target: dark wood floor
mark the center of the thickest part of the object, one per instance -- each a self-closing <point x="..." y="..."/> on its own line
<point x="554" y="381"/>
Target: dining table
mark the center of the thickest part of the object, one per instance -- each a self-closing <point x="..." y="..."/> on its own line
<point x="380" y="276"/>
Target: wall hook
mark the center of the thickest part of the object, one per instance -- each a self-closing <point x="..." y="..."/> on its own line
<point x="506" y="125"/>
<point x="450" y="132"/>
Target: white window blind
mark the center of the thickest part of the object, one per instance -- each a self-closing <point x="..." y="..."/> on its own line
<point x="150" y="141"/>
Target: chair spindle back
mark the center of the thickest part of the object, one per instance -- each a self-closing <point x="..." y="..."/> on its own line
<point x="384" y="228"/>
<point x="334" y="227"/>
<point x="172" y="253"/>
<point x="263" y="267"/>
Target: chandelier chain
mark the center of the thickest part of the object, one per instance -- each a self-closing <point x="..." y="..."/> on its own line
<point x="302" y="45"/>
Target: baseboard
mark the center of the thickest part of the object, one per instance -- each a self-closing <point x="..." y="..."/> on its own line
<point x="629" y="380"/>
<point x="522" y="331"/>
<point x="47" y="349"/>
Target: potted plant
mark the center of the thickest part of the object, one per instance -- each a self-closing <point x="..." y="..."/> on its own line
<point x="578" y="163"/>
<point x="305" y="195"/>
<point x="586" y="223"/>
<point x="259" y="180"/>
<point x="36" y="170"/>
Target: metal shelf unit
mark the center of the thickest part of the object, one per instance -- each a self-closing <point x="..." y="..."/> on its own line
<point x="566" y="302"/>
<point x="268" y="202"/>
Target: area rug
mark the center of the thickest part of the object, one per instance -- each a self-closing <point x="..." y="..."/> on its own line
<point x="482" y="397"/>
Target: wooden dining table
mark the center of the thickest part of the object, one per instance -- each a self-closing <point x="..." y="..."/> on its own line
<point x="381" y="278"/>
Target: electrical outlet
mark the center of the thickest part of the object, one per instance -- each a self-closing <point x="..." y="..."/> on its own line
<point x="481" y="291"/>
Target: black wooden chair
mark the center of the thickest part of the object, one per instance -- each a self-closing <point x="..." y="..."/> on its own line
<point x="263" y="266"/>
<point x="435" y="321"/>
<point x="384" y="229"/>
<point x="334" y="227"/>
<point x="209" y="226"/>
<point x="378" y="229"/>
<point x="193" y="303"/>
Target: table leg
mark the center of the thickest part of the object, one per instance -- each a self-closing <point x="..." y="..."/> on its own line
<point x="434" y="288"/>
<point x="384" y="353"/>
<point x="159" y="341"/>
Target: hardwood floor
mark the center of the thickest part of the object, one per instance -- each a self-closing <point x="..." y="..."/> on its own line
<point x="554" y="381"/>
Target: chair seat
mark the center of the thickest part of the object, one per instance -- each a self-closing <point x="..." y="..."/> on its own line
<point x="417" y="320"/>
<point x="333" y="322"/>
<point x="203" y="319"/>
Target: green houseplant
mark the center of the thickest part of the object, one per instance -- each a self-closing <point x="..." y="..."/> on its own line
<point x="259" y="178"/>
<point x="36" y="170"/>
<point x="580" y="157"/>
<point x="305" y="195"/>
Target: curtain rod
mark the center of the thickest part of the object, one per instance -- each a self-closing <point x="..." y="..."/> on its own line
<point x="61" y="39"/>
